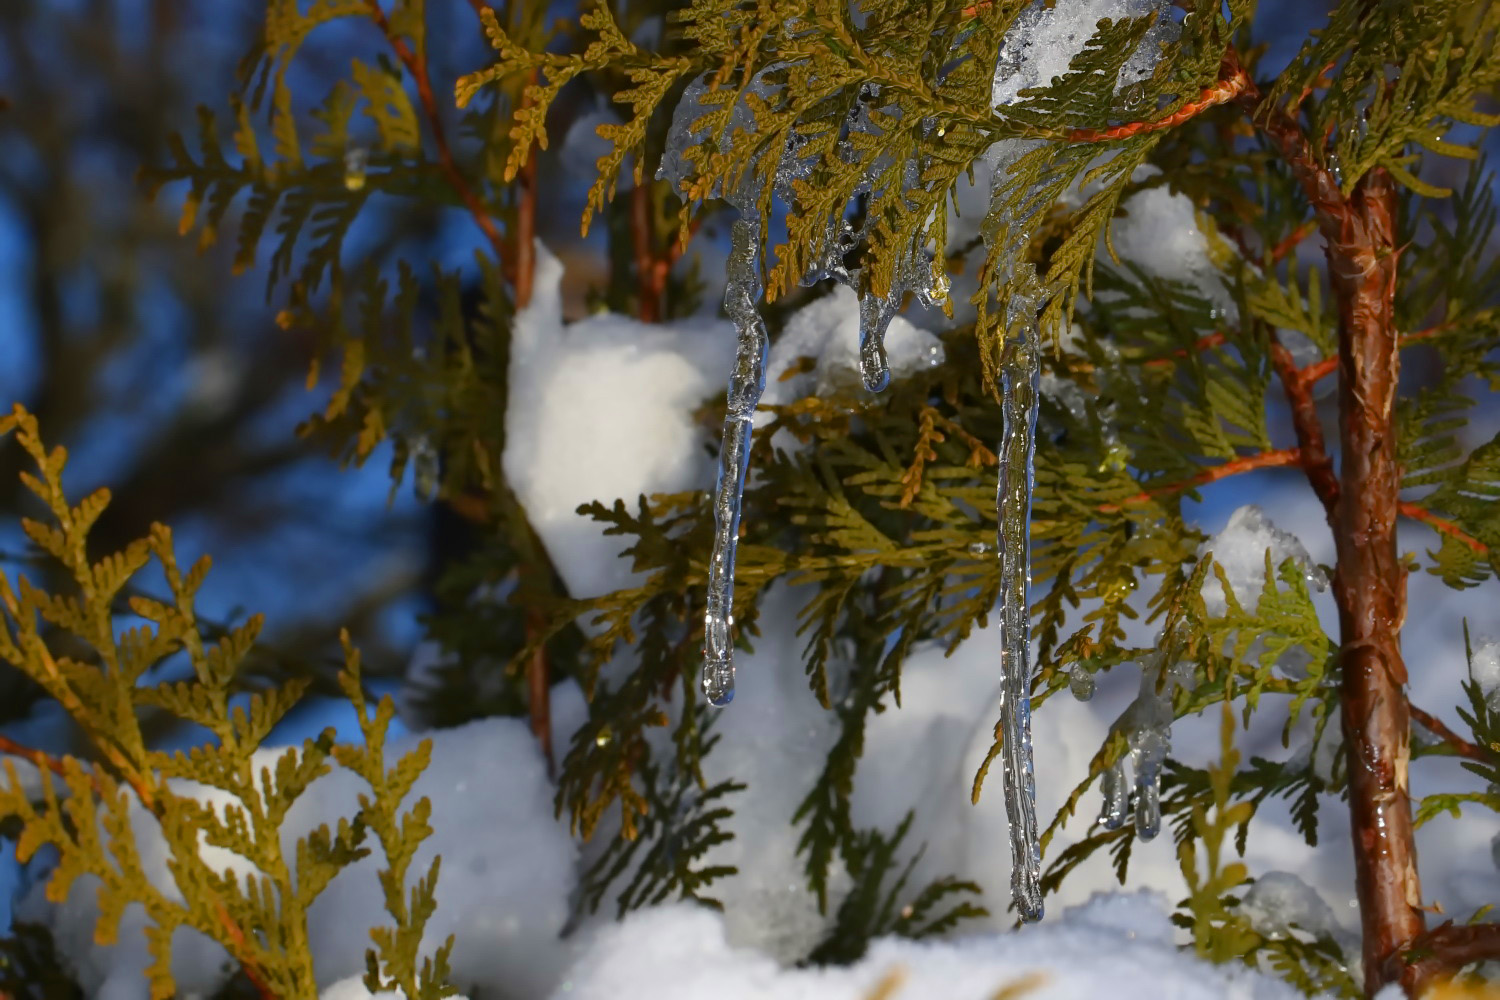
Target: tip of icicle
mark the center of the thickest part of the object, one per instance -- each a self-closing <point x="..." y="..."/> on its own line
<point x="718" y="682"/>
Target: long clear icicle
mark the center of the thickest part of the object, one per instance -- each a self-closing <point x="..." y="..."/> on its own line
<point x="1019" y="395"/>
<point x="746" y="383"/>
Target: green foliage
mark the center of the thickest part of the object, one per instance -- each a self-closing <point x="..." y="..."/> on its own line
<point x="257" y="907"/>
<point x="872" y="910"/>
<point x="1315" y="965"/>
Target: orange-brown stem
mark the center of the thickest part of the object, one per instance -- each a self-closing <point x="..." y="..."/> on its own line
<point x="1233" y="81"/>
<point x="1435" y="955"/>
<point x="1309" y="429"/>
<point x="1247" y="463"/>
<point x="1438" y="728"/>
<point x="526" y="224"/>
<point x="42" y="760"/>
<point x="416" y="65"/>
<point x="1443" y="526"/>
<point x="1296" y="236"/>
<point x="650" y="276"/>
<point x="539" y="690"/>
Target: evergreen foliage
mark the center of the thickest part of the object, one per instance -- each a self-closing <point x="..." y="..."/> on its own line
<point x="884" y="514"/>
<point x="67" y="643"/>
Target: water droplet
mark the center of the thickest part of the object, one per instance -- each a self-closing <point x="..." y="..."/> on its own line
<point x="356" y="161"/>
<point x="1081" y="683"/>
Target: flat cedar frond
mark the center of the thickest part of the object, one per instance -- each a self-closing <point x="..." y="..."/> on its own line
<point x="92" y="820"/>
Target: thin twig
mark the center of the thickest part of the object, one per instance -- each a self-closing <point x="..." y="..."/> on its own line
<point x="1438" y="728"/>
<point x="1443" y="526"/>
<point x="1440" y="952"/>
<point x="1233" y="81"/>
<point x="1315" y="459"/>
<point x="1248" y="463"/>
<point x="416" y="65"/>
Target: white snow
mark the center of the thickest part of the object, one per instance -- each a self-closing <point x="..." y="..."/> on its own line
<point x="1484" y="668"/>
<point x="602" y="410"/>
<point x="1119" y="947"/>
<point x="1280" y="901"/>
<point x="1241" y="550"/>
<point x="353" y="988"/>
<point x="1158" y="232"/>
<point x="1045" y="38"/>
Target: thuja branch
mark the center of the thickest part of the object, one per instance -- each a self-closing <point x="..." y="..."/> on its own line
<point x="1440" y="729"/>
<point x="1309" y="429"/>
<point x="1233" y="81"/>
<point x="1442" y="951"/>
<point x="1248" y="463"/>
<point x="39" y="758"/>
<point x="1443" y="526"/>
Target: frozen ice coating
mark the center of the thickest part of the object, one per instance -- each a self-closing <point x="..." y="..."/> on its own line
<point x="747" y="380"/>
<point x="917" y="271"/>
<point x="827" y="329"/>
<point x="1117" y="945"/>
<point x="1020" y="368"/>
<point x="1147" y="725"/>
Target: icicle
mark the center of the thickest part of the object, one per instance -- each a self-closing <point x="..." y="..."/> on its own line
<point x="1019" y="393"/>
<point x="1147" y="725"/>
<point x="746" y="382"/>
<point x="875" y="316"/>
<point x="1112" y="784"/>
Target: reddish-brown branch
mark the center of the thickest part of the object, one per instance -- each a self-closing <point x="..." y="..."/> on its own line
<point x="1438" y="728"/>
<point x="1233" y="81"/>
<point x="1443" y="526"/>
<point x="539" y="691"/>
<point x="1370" y="584"/>
<point x="1439" y="953"/>
<point x="650" y="278"/>
<point x="1309" y="429"/>
<point x="1204" y="343"/>
<point x="526" y="224"/>
<point x="416" y="65"/>
<point x="1302" y="232"/>
<point x="1247" y="463"/>
<point x="42" y="760"/>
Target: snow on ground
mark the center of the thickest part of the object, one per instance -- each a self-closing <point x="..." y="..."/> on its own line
<point x="1127" y="940"/>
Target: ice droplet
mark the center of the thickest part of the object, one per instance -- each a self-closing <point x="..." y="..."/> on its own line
<point x="1019" y="380"/>
<point x="356" y="162"/>
<point x="746" y="383"/>
<point x="1081" y="683"/>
